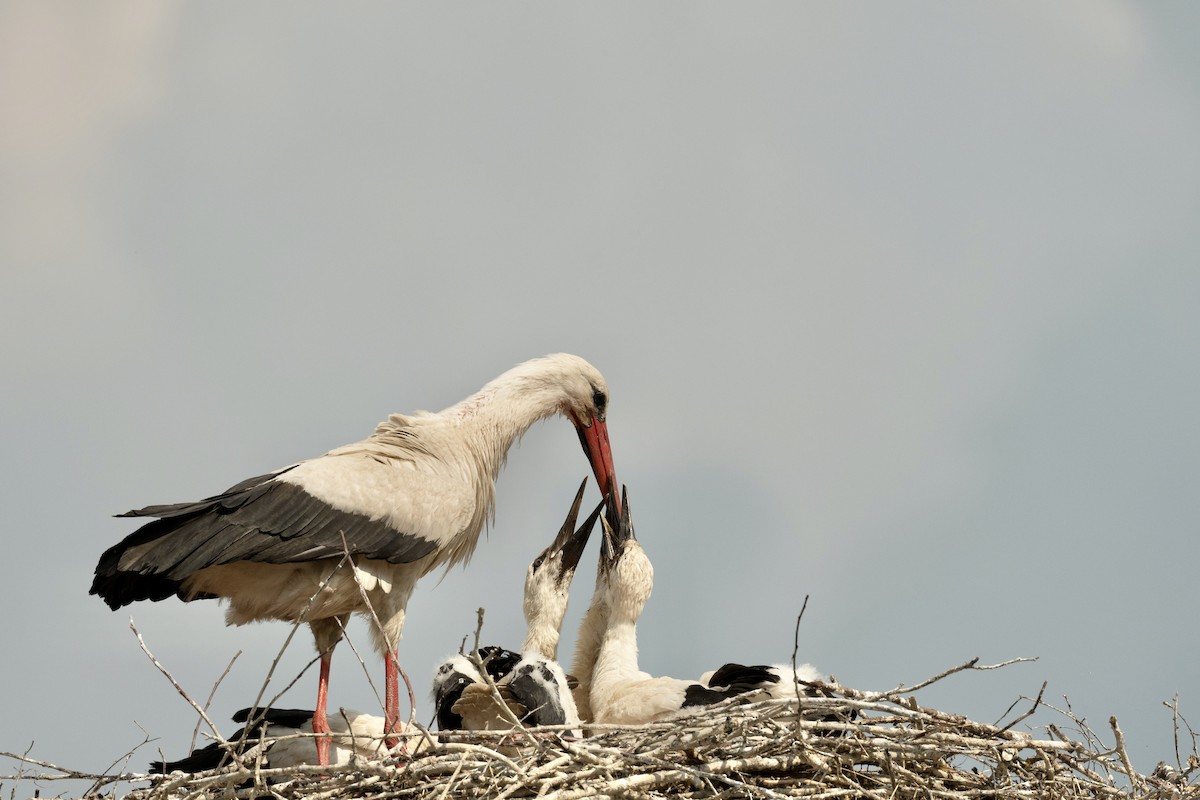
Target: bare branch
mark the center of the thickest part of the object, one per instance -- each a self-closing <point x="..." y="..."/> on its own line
<point x="972" y="664"/>
<point x="211" y="695"/>
<point x="378" y="624"/>
<point x="300" y="620"/>
<point x="175" y="683"/>
<point x="501" y="706"/>
<point x="1036" y="702"/>
<point x="796" y="649"/>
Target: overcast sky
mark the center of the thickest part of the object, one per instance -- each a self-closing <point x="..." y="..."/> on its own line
<point x="899" y="305"/>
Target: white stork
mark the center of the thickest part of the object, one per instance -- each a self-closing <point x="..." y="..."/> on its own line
<point x="282" y="737"/>
<point x="532" y="679"/>
<point x="458" y="673"/>
<point x="587" y="647"/>
<point x="413" y="496"/>
<point x="619" y="692"/>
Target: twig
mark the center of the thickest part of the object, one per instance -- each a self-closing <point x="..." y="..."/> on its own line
<point x="1175" y="727"/>
<point x="379" y="625"/>
<point x="21" y="761"/>
<point x="1036" y="702"/>
<point x="100" y="781"/>
<point x="175" y="683"/>
<point x="1193" y="758"/>
<point x="64" y="772"/>
<point x="363" y="664"/>
<point x="502" y="706"/>
<point x="412" y="697"/>
<point x="972" y="664"/>
<point x="796" y="649"/>
<point x="211" y="695"/>
<point x="1134" y="779"/>
<point x="253" y="715"/>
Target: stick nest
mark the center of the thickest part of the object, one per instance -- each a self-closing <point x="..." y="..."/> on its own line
<point x="843" y="744"/>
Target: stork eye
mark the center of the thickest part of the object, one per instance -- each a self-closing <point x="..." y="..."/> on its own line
<point x="599" y="399"/>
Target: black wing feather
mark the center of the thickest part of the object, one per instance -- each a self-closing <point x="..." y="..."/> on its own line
<point x="738" y="675"/>
<point x="699" y="695"/>
<point x="182" y="509"/>
<point x="260" y="519"/>
<point x="214" y="755"/>
<point x="205" y="758"/>
<point x="287" y="717"/>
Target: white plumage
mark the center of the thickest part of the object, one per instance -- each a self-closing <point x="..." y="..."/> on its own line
<point x="532" y="683"/>
<point x="412" y="496"/>
<point x="618" y="691"/>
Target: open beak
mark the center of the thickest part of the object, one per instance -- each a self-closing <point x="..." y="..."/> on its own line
<point x="594" y="438"/>
<point x="625" y="529"/>
<point x="607" y="549"/>
<point x="618" y="528"/>
<point x="568" y="527"/>
<point x="573" y="549"/>
<point x="570" y="541"/>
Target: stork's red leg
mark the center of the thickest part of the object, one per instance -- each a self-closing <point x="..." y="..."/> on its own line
<point x="320" y="722"/>
<point x="391" y="683"/>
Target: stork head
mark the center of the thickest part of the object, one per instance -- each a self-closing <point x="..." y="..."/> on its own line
<point x="548" y="579"/>
<point x="457" y="672"/>
<point x="557" y="562"/>
<point x="585" y="403"/>
<point x="560" y="383"/>
<point x="453" y="676"/>
<point x="625" y="569"/>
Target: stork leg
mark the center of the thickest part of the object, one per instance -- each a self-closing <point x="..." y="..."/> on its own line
<point x="391" y="682"/>
<point x="320" y="722"/>
<point x="390" y="606"/>
<point x="327" y="632"/>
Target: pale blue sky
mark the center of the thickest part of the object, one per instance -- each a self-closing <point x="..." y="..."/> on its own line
<point x="899" y="305"/>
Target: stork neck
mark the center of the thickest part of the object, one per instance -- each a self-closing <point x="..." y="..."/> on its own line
<point x="587" y="650"/>
<point x="544" y="606"/>
<point x="618" y="656"/>
<point x="541" y="638"/>
<point x="502" y="411"/>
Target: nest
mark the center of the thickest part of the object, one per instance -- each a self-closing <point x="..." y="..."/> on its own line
<point x="840" y="743"/>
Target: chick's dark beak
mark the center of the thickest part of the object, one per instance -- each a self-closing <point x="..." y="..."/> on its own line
<point x="618" y="528"/>
<point x="568" y="527"/>
<point x="569" y="541"/>
<point x="572" y="551"/>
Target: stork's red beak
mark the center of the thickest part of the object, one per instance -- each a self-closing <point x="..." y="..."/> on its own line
<point x="594" y="439"/>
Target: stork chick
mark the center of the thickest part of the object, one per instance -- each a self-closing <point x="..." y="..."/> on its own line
<point x="621" y="693"/>
<point x="535" y="687"/>
<point x="277" y="736"/>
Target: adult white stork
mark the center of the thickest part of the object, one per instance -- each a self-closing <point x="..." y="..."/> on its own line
<point x="533" y="679"/>
<point x="621" y="693"/>
<point x="413" y="496"/>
